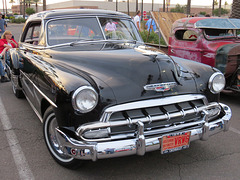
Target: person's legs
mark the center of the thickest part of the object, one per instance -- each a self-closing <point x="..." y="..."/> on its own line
<point x="2" y="73"/>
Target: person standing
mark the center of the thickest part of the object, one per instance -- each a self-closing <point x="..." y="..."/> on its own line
<point x="3" y="25"/>
<point x="151" y="25"/>
<point x="137" y="20"/>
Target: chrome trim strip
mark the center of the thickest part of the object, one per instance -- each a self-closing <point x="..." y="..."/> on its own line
<point x="101" y="28"/>
<point x="49" y="100"/>
<point x="34" y="109"/>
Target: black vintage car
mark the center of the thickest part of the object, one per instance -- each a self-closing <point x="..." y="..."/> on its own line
<point x="101" y="93"/>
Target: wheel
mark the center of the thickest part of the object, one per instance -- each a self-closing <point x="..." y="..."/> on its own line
<point x="49" y="125"/>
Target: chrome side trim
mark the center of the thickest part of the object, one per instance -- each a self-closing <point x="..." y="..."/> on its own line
<point x="34" y="109"/>
<point x="48" y="99"/>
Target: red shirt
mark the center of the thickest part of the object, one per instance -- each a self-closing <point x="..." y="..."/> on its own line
<point x="4" y="41"/>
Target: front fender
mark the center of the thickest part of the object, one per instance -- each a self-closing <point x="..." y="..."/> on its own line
<point x="13" y="58"/>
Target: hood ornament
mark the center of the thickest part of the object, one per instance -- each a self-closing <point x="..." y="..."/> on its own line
<point x="160" y="87"/>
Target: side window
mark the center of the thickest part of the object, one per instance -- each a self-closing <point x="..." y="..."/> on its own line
<point x="29" y="34"/>
<point x="32" y="35"/>
<point x="186" y="35"/>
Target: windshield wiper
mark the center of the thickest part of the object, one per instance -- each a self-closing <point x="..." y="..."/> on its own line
<point x="80" y="41"/>
<point x="83" y="41"/>
<point x="121" y="41"/>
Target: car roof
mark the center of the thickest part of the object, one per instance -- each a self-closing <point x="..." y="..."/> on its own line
<point x="208" y="22"/>
<point x="75" y="12"/>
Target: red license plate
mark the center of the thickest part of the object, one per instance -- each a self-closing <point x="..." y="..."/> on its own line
<point x="175" y="142"/>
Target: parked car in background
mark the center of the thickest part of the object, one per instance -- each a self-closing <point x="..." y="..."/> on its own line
<point x="101" y="93"/>
<point x="18" y="16"/>
<point x="209" y="40"/>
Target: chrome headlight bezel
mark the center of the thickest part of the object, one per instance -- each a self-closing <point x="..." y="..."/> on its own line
<point x="93" y="97"/>
<point x="214" y="86"/>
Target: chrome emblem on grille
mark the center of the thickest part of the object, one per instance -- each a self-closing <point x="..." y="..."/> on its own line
<point x="160" y="87"/>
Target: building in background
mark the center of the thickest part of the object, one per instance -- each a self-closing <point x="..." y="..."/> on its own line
<point x="121" y="6"/>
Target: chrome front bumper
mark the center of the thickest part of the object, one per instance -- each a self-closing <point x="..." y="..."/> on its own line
<point x="136" y="146"/>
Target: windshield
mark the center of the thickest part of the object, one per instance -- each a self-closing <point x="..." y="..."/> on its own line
<point x="88" y="29"/>
<point x="118" y="29"/>
<point x="212" y="34"/>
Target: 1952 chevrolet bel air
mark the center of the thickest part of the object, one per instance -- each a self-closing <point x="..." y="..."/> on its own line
<point x="101" y="93"/>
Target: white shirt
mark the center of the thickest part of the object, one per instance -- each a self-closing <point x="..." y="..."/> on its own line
<point x="110" y="27"/>
<point x="137" y="19"/>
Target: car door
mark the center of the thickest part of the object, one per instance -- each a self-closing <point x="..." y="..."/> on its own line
<point x="186" y="44"/>
<point x="29" y="58"/>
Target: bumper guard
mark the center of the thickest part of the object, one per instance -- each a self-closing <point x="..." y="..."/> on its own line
<point x="138" y="145"/>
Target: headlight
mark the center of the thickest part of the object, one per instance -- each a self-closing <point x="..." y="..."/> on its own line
<point x="84" y="99"/>
<point x="216" y="83"/>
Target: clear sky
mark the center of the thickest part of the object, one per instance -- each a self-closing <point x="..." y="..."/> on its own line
<point x="182" y="2"/>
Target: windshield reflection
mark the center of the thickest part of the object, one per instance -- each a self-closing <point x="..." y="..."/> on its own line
<point x="89" y="29"/>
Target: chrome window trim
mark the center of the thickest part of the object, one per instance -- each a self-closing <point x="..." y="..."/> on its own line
<point x="45" y="96"/>
<point x="101" y="28"/>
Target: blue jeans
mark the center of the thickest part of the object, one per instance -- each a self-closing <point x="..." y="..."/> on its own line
<point x="2" y="72"/>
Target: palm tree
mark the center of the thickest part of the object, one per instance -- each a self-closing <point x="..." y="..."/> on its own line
<point x="152" y="4"/>
<point x="3" y="5"/>
<point x="28" y="3"/>
<point x="220" y="8"/>
<point x="136" y="5"/>
<point x="215" y="3"/>
<point x="44" y="5"/>
<point x="6" y="6"/>
<point x="128" y="6"/>
<point x="235" y="9"/>
<point x="188" y="7"/>
<point x="36" y="4"/>
<point x="12" y="1"/>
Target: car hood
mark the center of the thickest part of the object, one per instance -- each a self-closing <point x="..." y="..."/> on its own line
<point x="126" y="71"/>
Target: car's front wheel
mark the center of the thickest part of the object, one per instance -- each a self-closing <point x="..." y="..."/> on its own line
<point x="50" y="123"/>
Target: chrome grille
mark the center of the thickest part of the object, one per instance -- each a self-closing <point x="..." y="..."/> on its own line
<point x="159" y="116"/>
<point x="163" y="115"/>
